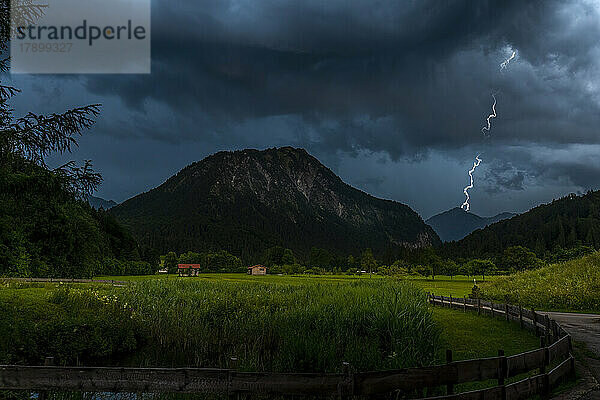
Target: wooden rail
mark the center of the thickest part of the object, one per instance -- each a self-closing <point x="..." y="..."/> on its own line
<point x="556" y="350"/>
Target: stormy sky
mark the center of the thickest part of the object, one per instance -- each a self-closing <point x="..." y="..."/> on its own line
<point x="391" y="95"/>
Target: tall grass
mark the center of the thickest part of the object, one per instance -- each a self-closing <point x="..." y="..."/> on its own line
<point x="34" y="325"/>
<point x="277" y="327"/>
<point x="572" y="285"/>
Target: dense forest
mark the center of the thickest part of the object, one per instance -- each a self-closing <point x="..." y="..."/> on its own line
<point x="46" y="231"/>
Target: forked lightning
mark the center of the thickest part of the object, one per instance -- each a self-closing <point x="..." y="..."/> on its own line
<point x="489" y="118"/>
<point x="465" y="206"/>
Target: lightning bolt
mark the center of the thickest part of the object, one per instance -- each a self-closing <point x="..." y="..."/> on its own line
<point x="465" y="206"/>
<point x="485" y="130"/>
<point x="489" y="118"/>
<point x="505" y="63"/>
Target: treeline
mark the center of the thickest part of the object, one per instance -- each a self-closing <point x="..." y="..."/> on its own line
<point x="423" y="262"/>
<point x="115" y="267"/>
<point x="432" y="261"/>
<point x="219" y="261"/>
<point x="46" y="231"/>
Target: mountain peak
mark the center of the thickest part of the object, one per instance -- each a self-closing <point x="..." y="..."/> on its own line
<point x="99" y="202"/>
<point x="456" y="211"/>
<point x="248" y="200"/>
<point x="457" y="223"/>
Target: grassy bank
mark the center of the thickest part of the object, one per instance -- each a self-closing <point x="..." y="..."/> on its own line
<point x="569" y="286"/>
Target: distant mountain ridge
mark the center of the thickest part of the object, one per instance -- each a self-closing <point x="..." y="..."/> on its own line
<point x="249" y="200"/>
<point x="99" y="202"/>
<point x="457" y="223"/>
<point x="564" y="223"/>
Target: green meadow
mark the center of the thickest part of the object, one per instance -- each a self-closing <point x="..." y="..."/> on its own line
<point x="457" y="286"/>
<point x="269" y="323"/>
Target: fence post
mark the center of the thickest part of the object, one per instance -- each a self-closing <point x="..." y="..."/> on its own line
<point x="465" y="303"/>
<point x="450" y="301"/>
<point x="233" y="364"/>
<point x="543" y="346"/>
<point x="450" y="386"/>
<point x="535" y="325"/>
<point x="521" y="316"/>
<point x="572" y="373"/>
<point x="502" y="369"/>
<point x="478" y="306"/>
<point x="555" y="331"/>
<point x="346" y="387"/>
<point x="545" y="381"/>
<point x="506" y="310"/>
<point x="49" y="361"/>
<point x="492" y="308"/>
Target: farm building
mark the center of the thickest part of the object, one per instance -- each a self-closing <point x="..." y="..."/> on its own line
<point x="189" y="269"/>
<point x="257" y="270"/>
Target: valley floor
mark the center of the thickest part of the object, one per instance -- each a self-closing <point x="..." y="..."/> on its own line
<point x="111" y="323"/>
<point x="467" y="335"/>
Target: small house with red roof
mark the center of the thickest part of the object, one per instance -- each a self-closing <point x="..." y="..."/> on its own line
<point x="189" y="269"/>
<point x="257" y="270"/>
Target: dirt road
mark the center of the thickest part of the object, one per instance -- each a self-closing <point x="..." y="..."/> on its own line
<point x="583" y="328"/>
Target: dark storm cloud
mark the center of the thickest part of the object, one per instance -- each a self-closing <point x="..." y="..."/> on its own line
<point x="401" y="78"/>
<point x="502" y="179"/>
<point x="395" y="76"/>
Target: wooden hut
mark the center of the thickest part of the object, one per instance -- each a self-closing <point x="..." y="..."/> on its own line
<point x="257" y="270"/>
<point x="189" y="269"/>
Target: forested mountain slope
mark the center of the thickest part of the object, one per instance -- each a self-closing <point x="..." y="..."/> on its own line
<point x="567" y="222"/>
<point x="247" y="201"/>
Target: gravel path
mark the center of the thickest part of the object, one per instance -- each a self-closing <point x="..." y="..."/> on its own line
<point x="584" y="328"/>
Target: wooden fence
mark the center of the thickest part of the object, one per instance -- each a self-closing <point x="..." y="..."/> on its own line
<point x="555" y="351"/>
